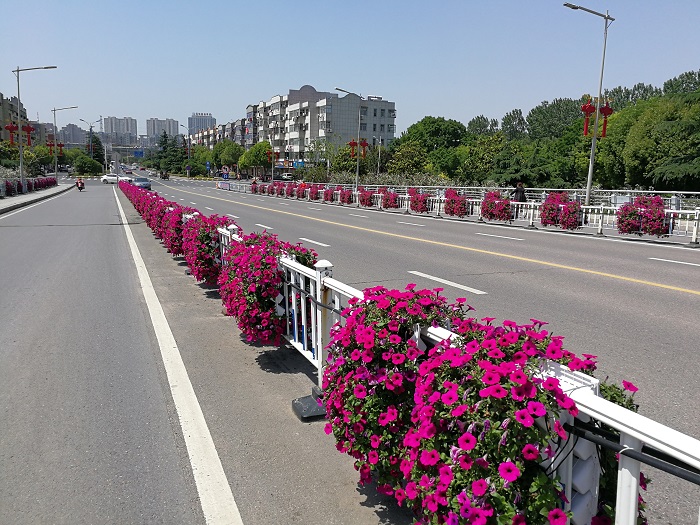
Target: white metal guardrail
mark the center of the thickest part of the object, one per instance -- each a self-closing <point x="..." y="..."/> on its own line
<point x="312" y="302"/>
<point x="683" y="223"/>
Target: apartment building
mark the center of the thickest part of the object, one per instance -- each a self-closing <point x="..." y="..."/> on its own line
<point x="8" y="115"/>
<point x="155" y="127"/>
<point x="123" y="131"/>
<point x="292" y="122"/>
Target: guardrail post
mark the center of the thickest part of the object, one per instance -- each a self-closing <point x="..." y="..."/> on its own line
<point x="626" y="504"/>
<point x="308" y="406"/>
<point x="600" y="224"/>
<point x="694" y="240"/>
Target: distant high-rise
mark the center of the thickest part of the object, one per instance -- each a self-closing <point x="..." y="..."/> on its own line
<point x="155" y="127"/>
<point x="200" y="121"/>
<point x="122" y="131"/>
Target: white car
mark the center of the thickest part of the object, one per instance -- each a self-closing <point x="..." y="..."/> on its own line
<point x="113" y="178"/>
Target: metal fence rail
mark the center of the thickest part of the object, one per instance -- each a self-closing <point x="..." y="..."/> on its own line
<point x="312" y="302"/>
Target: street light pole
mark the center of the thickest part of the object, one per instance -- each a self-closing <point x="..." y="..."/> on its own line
<point x="607" y="19"/>
<point x="91" y="124"/>
<point x="19" y="120"/>
<point x="379" y="157"/>
<point x="55" y="140"/>
<point x="189" y="140"/>
<point x="359" y="120"/>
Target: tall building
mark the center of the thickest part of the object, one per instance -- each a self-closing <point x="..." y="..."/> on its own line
<point x="72" y="134"/>
<point x="8" y="115"/>
<point x="121" y="131"/>
<point x="155" y="127"/>
<point x="200" y="121"/>
<point x="292" y="122"/>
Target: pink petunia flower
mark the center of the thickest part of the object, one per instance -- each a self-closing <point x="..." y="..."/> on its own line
<point x="629" y="386"/>
<point x="556" y="517"/>
<point x="524" y="418"/>
<point x="509" y="471"/>
<point x="360" y="391"/>
<point x="479" y="487"/>
<point x="429" y="457"/>
<point x="466" y="441"/>
<point x="559" y="429"/>
<point x="531" y="452"/>
<point x="536" y="408"/>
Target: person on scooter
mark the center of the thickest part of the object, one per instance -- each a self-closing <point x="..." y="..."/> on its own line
<point x="80" y="184"/>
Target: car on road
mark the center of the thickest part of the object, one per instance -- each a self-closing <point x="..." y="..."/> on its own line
<point x="142" y="168"/>
<point x="141" y="182"/>
<point x="113" y="178"/>
<point x="127" y="171"/>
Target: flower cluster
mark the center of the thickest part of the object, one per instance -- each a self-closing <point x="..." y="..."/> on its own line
<point x="44" y="182"/>
<point x="462" y="432"/>
<point x="250" y="284"/>
<point x="645" y="215"/>
<point x="171" y="228"/>
<point x="315" y="192"/>
<point x="328" y="195"/>
<point x="346" y="196"/>
<point x="418" y="202"/>
<point x="364" y="197"/>
<point x="200" y="244"/>
<point x="455" y="204"/>
<point x="495" y="208"/>
<point x="390" y="200"/>
<point x="558" y="210"/>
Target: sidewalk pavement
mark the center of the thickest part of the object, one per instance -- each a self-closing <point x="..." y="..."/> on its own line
<point x="8" y="204"/>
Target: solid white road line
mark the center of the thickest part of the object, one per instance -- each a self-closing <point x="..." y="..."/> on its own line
<point x="317" y="209"/>
<point x="677" y="262"/>
<point x="192" y="202"/>
<point x="208" y="208"/>
<point x="284" y="203"/>
<point x="263" y="226"/>
<point x="449" y="283"/>
<point x="356" y="215"/>
<point x="500" y="236"/>
<point x="233" y="216"/>
<point x="313" y="242"/>
<point x="410" y="223"/>
<point x="215" y="496"/>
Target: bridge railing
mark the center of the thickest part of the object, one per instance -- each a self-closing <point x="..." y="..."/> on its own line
<point x="601" y="217"/>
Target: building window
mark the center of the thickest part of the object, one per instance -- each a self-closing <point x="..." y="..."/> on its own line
<point x="363" y="127"/>
<point x="374" y="126"/>
<point x="383" y="112"/>
<point x="375" y="112"/>
<point x="381" y="127"/>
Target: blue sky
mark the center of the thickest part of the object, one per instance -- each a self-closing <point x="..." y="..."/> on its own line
<point x="447" y="58"/>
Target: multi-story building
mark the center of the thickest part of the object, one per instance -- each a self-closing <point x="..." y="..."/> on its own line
<point x="8" y="115"/>
<point x="72" y="134"/>
<point x="155" y="127"/>
<point x="122" y="131"/>
<point x="291" y="123"/>
<point x="200" y="121"/>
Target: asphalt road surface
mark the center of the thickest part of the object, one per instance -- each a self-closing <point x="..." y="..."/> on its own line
<point x="91" y="431"/>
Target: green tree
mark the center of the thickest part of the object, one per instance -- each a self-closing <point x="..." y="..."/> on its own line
<point x="87" y="166"/>
<point x="482" y="125"/>
<point x="230" y="153"/>
<point x="410" y="158"/>
<point x="514" y="125"/>
<point x="256" y="157"/>
<point x="98" y="152"/>
<point x="478" y="162"/>
<point x="433" y="133"/>
<point x="622" y="97"/>
<point x="685" y="83"/>
<point x="550" y="120"/>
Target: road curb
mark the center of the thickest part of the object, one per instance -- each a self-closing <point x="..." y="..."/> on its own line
<point x="11" y="207"/>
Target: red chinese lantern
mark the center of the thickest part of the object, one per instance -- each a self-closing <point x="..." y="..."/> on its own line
<point x="50" y="145"/>
<point x="28" y="129"/>
<point x="606" y="111"/>
<point x="364" y="145"/>
<point x="588" y="109"/>
<point x="12" y="128"/>
<point x="352" y="145"/>
<point x="269" y="156"/>
<point x="60" y="148"/>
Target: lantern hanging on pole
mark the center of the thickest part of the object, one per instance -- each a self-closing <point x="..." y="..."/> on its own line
<point x="588" y="109"/>
<point x="364" y="145"/>
<point x="12" y="128"/>
<point x="50" y="145"/>
<point x="352" y="145"/>
<point x="606" y="111"/>
<point x="60" y="148"/>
